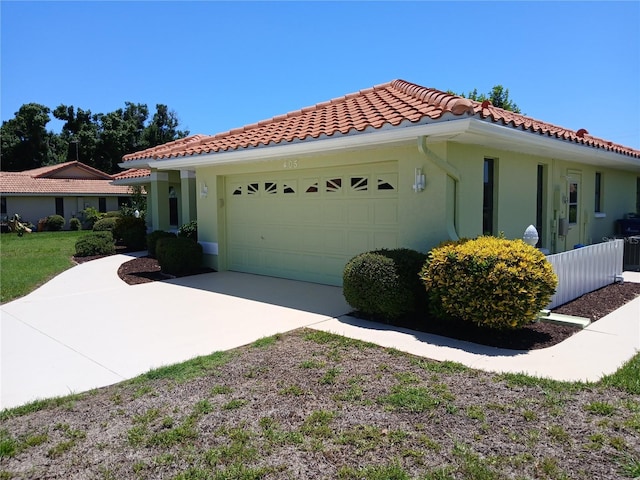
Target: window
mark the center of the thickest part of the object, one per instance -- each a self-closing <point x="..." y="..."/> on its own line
<point x="540" y="202"/>
<point x="573" y="202"/>
<point x="488" y="196"/>
<point x="60" y="206"/>
<point x="3" y="206"/>
<point x="638" y="195"/>
<point x="102" y="204"/>
<point x="598" y="195"/>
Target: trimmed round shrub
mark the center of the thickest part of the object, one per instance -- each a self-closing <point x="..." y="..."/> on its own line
<point x="178" y="255"/>
<point x="96" y="243"/>
<point x="385" y="283"/>
<point x="153" y="238"/>
<point x="189" y="230"/>
<point x="106" y="224"/>
<point x="75" y="224"/>
<point x="492" y="282"/>
<point x="131" y="232"/>
<point x="113" y="213"/>
<point x="55" y="223"/>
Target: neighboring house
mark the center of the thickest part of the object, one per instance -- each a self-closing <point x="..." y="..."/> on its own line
<point x="65" y="189"/>
<point x="396" y="165"/>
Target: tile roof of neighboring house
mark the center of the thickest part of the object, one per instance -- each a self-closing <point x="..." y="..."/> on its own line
<point x="38" y="182"/>
<point x="59" y="169"/>
<point x="385" y="105"/>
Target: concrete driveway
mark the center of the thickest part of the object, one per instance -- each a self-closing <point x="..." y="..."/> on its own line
<point x="86" y="328"/>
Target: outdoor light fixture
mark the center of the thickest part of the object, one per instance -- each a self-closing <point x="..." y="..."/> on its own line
<point x="530" y="236"/>
<point x="204" y="190"/>
<point x="419" y="184"/>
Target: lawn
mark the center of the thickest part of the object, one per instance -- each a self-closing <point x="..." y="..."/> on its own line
<point x="312" y="405"/>
<point x="29" y="261"/>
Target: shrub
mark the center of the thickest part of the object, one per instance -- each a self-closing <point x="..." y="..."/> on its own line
<point x="189" y="230"/>
<point x="55" y="223"/>
<point x="131" y="231"/>
<point x="97" y="243"/>
<point x="105" y="224"/>
<point x="385" y="283"/>
<point x="74" y="224"/>
<point x="91" y="216"/>
<point x="153" y="238"/>
<point x="489" y="281"/>
<point x="112" y="214"/>
<point x="178" y="255"/>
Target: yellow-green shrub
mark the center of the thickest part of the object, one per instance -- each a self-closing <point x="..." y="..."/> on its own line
<point x="489" y="281"/>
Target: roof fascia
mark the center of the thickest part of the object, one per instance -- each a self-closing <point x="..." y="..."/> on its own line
<point x="467" y="131"/>
<point x="331" y="144"/>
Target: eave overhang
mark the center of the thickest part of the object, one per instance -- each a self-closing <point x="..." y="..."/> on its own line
<point x="471" y="131"/>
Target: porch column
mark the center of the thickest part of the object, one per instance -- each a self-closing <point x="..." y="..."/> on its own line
<point x="159" y="196"/>
<point x="188" y="195"/>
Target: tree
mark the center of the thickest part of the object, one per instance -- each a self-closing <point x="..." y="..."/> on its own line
<point x="99" y="140"/>
<point x="26" y="143"/>
<point x="498" y="96"/>
<point x="163" y="127"/>
<point x="79" y="133"/>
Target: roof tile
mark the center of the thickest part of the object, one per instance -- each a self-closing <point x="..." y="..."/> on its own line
<point x="386" y="104"/>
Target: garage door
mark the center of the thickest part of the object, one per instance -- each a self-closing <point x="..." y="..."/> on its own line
<point x="306" y="224"/>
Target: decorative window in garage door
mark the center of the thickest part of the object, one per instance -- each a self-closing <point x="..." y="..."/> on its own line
<point x="387" y="181"/>
<point x="360" y="184"/>
<point x="333" y="185"/>
<point x="270" y="188"/>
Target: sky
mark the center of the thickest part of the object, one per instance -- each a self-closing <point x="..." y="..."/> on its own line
<point x="222" y="65"/>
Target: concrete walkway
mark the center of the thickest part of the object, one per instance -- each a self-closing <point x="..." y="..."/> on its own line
<point x="86" y="328"/>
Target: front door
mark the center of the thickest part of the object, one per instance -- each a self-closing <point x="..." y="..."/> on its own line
<point x="574" y="209"/>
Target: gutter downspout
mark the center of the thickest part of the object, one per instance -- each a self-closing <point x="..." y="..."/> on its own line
<point x="453" y="178"/>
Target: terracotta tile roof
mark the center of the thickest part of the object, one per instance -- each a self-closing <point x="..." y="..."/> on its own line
<point x="61" y="169"/>
<point x="387" y="105"/>
<point x="83" y="180"/>
<point x="132" y="173"/>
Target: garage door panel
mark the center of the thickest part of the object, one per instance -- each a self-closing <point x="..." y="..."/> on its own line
<point x="306" y="225"/>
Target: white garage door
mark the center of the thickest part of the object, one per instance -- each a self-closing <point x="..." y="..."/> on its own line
<point x="306" y="224"/>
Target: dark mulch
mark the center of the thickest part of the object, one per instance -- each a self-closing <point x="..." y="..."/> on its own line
<point x="594" y="305"/>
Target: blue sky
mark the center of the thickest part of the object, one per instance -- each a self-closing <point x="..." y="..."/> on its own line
<point x="222" y="65"/>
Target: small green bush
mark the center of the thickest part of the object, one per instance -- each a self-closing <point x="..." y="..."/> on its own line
<point x="112" y="214"/>
<point x="189" y="230"/>
<point x="97" y="243"/>
<point x="55" y="223"/>
<point x="105" y="224"/>
<point x="153" y="238"/>
<point x="492" y="282"/>
<point x="385" y="283"/>
<point x="74" y="224"/>
<point x="91" y="216"/>
<point x="178" y="255"/>
<point x="131" y="231"/>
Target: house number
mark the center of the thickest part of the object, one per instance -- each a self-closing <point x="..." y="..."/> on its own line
<point x="291" y="164"/>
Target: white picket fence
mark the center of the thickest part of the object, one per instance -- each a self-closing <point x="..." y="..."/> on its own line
<point x="586" y="269"/>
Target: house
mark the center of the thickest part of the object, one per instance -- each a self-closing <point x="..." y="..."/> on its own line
<point x="396" y="165"/>
<point x="64" y="189"/>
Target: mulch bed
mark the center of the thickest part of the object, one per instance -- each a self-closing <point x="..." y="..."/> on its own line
<point x="594" y="305"/>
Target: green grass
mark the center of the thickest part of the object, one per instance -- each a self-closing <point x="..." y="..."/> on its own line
<point x="29" y="261"/>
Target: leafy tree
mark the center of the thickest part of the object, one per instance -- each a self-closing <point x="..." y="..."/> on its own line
<point x="163" y="127"/>
<point x="99" y="140"/>
<point x="79" y="133"/>
<point x="26" y="143"/>
<point x="498" y="96"/>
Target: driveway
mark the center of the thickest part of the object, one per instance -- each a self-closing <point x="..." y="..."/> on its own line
<point x="86" y="328"/>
